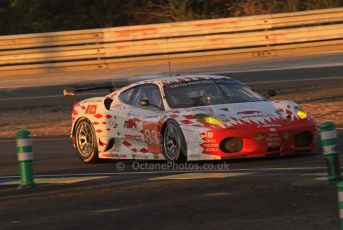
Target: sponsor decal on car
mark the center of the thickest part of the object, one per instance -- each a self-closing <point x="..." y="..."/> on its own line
<point x="91" y="109"/>
<point x="131" y="123"/>
<point x="134" y="137"/>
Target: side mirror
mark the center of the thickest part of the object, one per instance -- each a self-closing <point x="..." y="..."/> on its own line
<point x="271" y="93"/>
<point x="144" y="102"/>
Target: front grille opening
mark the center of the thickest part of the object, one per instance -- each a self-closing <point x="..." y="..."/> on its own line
<point x="303" y="139"/>
<point x="231" y="145"/>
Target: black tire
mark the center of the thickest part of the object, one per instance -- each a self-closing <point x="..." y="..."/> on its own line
<point x="173" y="142"/>
<point x="86" y="143"/>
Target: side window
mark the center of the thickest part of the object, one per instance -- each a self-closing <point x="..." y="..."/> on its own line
<point x="126" y="95"/>
<point x="151" y="93"/>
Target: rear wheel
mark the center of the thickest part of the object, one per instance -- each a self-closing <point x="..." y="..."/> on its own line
<point x="174" y="144"/>
<point x="86" y="141"/>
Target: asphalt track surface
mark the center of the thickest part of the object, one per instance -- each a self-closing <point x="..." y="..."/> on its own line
<point x="270" y="193"/>
<point x="294" y="79"/>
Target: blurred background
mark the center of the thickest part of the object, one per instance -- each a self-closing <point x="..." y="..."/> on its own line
<point x="35" y="16"/>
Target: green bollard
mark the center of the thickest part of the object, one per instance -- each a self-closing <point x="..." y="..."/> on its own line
<point x="340" y="202"/>
<point x="328" y="138"/>
<point x="24" y="151"/>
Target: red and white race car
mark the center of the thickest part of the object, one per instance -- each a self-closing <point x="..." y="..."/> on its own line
<point x="196" y="117"/>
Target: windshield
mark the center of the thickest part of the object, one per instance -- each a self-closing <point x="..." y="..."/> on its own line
<point x="208" y="92"/>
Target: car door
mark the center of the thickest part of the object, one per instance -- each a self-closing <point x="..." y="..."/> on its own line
<point x="141" y="128"/>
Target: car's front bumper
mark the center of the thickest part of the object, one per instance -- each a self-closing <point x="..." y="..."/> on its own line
<point x="277" y="141"/>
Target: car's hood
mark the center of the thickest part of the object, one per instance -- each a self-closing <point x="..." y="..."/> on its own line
<point x="260" y="113"/>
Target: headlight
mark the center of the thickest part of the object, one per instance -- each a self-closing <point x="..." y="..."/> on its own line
<point x="208" y="119"/>
<point x="300" y="112"/>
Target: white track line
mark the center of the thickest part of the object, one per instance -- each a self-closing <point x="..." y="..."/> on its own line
<point x="169" y="171"/>
<point x="48" y="96"/>
<point x="51" y="139"/>
<point x="295" y="80"/>
<point x="268" y="68"/>
<point x="38" y="139"/>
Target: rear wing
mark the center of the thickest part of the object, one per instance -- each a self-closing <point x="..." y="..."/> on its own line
<point x="70" y="91"/>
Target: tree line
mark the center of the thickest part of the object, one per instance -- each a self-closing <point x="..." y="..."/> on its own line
<point x="35" y="16"/>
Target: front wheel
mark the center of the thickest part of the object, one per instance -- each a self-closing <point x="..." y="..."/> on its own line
<point x="174" y="144"/>
<point x="86" y="141"/>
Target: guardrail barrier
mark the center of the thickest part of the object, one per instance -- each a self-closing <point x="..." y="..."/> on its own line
<point x="239" y="38"/>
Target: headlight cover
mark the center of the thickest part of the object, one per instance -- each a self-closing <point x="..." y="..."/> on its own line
<point x="212" y="120"/>
<point x="300" y="112"/>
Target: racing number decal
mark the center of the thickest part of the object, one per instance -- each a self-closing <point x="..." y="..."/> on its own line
<point x="152" y="136"/>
